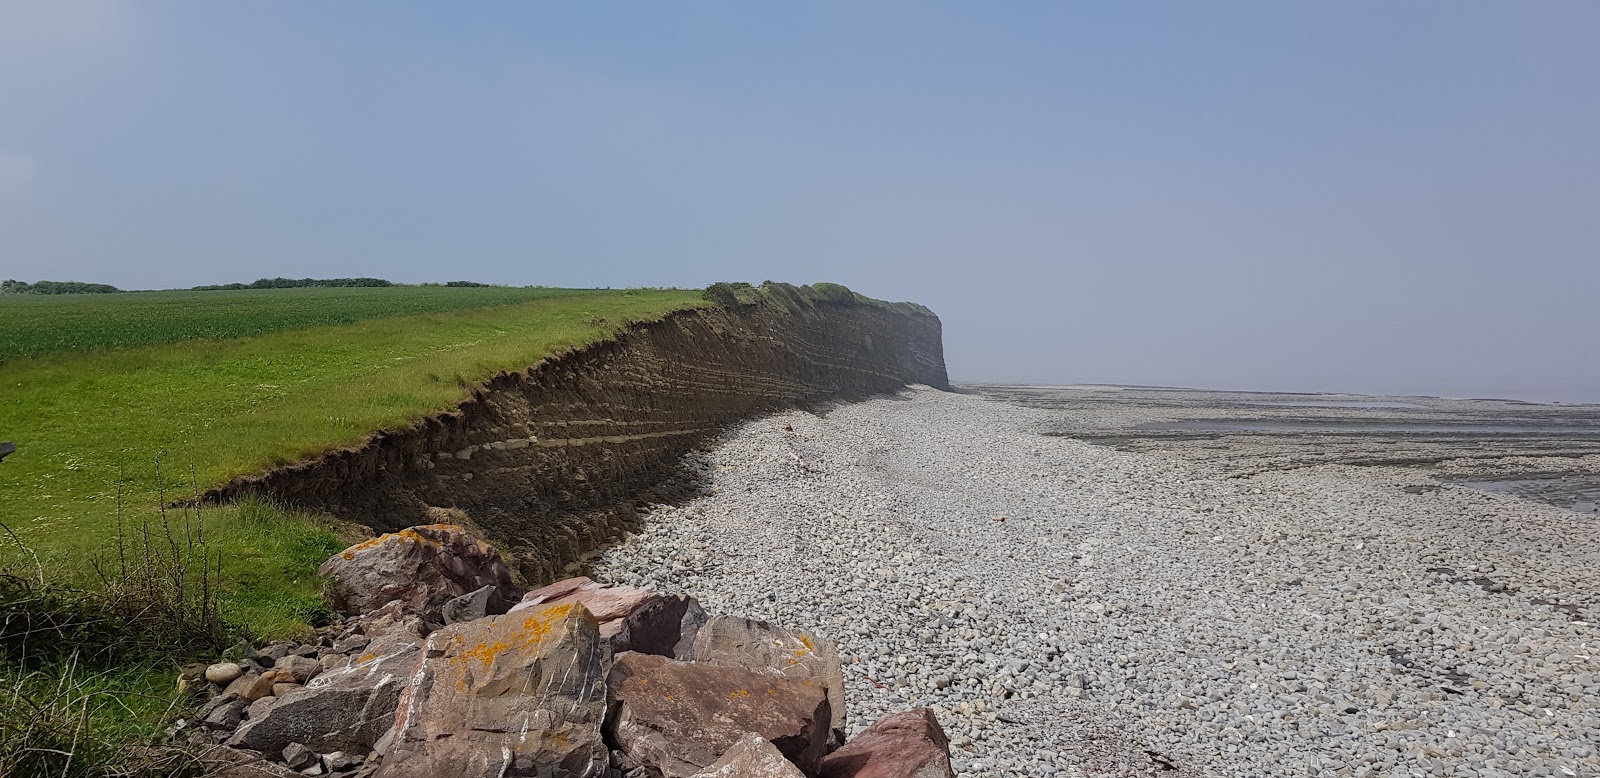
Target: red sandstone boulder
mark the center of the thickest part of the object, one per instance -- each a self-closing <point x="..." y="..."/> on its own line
<point x="630" y="619"/>
<point x="731" y="641"/>
<point x="346" y="708"/>
<point x="421" y="567"/>
<point x="904" y="745"/>
<point x="681" y="717"/>
<point x="520" y="694"/>
<point x="752" y="757"/>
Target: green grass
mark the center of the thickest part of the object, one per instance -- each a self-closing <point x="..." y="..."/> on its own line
<point x="36" y="325"/>
<point x="89" y="420"/>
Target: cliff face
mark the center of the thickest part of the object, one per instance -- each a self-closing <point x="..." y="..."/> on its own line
<point x="550" y="462"/>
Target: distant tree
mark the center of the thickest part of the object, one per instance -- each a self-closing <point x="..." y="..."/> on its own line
<point x="297" y="283"/>
<point x="55" y="287"/>
<point x="464" y="283"/>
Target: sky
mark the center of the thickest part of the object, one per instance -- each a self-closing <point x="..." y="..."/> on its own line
<point x="1372" y="197"/>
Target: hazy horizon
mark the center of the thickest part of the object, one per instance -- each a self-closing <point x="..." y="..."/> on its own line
<point x="1360" y="197"/>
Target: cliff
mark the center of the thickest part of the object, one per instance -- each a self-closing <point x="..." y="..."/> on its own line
<point x="551" y="462"/>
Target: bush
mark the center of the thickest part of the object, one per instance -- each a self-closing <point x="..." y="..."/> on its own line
<point x="55" y="287"/>
<point x="726" y="293"/>
<point x="301" y="283"/>
<point x="833" y="293"/>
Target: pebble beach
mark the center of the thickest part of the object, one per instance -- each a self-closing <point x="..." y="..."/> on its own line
<point x="1073" y="609"/>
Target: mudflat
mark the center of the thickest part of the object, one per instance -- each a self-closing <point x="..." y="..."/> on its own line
<point x="1077" y="590"/>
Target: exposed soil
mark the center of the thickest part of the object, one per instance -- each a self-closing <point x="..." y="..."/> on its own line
<point x="551" y="462"/>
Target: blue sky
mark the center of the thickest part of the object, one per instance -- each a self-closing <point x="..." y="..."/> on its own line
<point x="1379" y="197"/>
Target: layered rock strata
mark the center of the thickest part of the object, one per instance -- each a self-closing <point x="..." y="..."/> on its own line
<point x="550" y="462"/>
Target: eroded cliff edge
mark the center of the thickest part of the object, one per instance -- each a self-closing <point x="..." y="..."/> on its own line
<point x="550" y="462"/>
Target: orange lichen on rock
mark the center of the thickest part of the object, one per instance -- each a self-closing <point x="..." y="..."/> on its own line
<point x="510" y="635"/>
<point x="408" y="534"/>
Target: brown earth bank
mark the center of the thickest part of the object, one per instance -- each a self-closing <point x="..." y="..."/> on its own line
<point x="551" y="462"/>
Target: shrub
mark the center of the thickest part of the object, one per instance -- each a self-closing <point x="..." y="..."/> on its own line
<point x="724" y="293"/>
<point x="833" y="293"/>
<point x="55" y="287"/>
<point x="301" y="283"/>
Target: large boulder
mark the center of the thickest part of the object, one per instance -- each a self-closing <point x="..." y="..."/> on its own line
<point x="752" y="757"/>
<point x="902" y="745"/>
<point x="347" y="708"/>
<point x="731" y="641"/>
<point x="421" y="567"/>
<point x="680" y="717"/>
<point x="518" y="694"/>
<point x="630" y="619"/>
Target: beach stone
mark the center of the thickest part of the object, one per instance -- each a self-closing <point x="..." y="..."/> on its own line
<point x="681" y="717"/>
<point x="753" y="756"/>
<point x="223" y="716"/>
<point x="339" y="761"/>
<point x="732" y="641"/>
<point x="264" y="685"/>
<point x="297" y="757"/>
<point x="345" y="709"/>
<point x="224" y="673"/>
<point x="518" y="694"/>
<point x="421" y="567"/>
<point x="301" y="669"/>
<point x="902" y="745"/>
<point x="219" y="761"/>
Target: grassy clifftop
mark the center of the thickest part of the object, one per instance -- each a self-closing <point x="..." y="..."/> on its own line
<point x="293" y="373"/>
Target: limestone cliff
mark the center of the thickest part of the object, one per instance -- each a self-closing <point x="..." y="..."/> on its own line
<point x="550" y="462"/>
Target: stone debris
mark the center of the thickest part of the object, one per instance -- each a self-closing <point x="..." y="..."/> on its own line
<point x="581" y="679"/>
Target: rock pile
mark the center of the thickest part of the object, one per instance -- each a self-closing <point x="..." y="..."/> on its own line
<point x="442" y="669"/>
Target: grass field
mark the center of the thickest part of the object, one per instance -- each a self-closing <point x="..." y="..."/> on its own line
<point x="36" y="325"/>
<point x="103" y="392"/>
<point x="231" y="382"/>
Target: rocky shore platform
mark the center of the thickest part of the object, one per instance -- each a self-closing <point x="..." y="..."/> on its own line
<point x="1069" y="598"/>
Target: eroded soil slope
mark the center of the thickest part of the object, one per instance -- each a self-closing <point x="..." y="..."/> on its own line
<point x="551" y="462"/>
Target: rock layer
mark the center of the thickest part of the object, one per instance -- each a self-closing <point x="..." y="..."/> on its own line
<point x="549" y="462"/>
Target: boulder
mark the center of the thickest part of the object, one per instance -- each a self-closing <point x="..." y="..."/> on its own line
<point x="680" y="717"/>
<point x="343" y="709"/>
<point x="753" y="756"/>
<point x="518" y="694"/>
<point x="731" y="641"/>
<point x="630" y="619"/>
<point x="421" y="567"/>
<point x="474" y="605"/>
<point x="903" y="745"/>
<point x="553" y="591"/>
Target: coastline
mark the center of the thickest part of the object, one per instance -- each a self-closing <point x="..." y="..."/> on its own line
<point x="1139" y="609"/>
